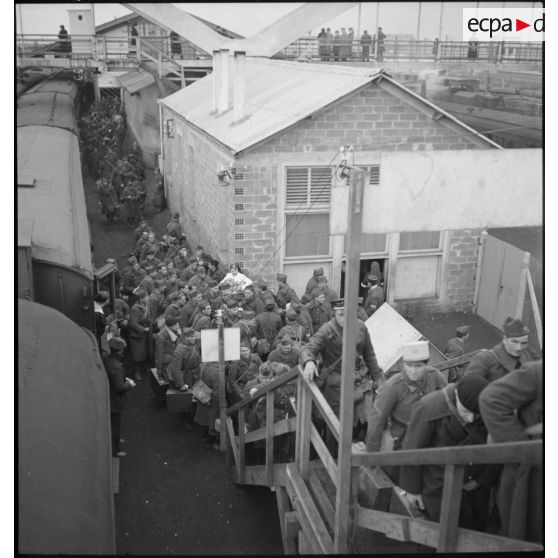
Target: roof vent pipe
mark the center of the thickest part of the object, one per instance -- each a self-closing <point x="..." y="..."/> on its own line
<point x="239" y="90"/>
<point x="224" y="81"/>
<point x="216" y="79"/>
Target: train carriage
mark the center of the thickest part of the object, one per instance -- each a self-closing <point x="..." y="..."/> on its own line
<point x="54" y="247"/>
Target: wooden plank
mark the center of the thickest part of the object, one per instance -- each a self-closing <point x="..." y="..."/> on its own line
<point x="307" y="513"/>
<point x="304" y="546"/>
<point x="522" y="285"/>
<point x="283" y="507"/>
<point x="241" y="447"/>
<point x="233" y="442"/>
<point x="457" y="361"/>
<point x="375" y="488"/>
<point x="449" y="512"/>
<point x="535" y="307"/>
<point x="269" y="439"/>
<point x="257" y="475"/>
<point x="321" y="498"/>
<point x="325" y="410"/>
<point x="299" y="390"/>
<point x="511" y="452"/>
<point x="281" y="427"/>
<point x="350" y="329"/>
<point x="304" y="434"/>
<point x="292" y="528"/>
<point x="324" y="455"/>
<point x="426" y="533"/>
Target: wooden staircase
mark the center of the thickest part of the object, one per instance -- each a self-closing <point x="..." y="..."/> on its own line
<point x="319" y="515"/>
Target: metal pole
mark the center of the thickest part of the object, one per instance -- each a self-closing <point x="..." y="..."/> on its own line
<point x="441" y="19"/>
<point x="350" y="331"/>
<point x="418" y="20"/>
<point x="222" y="401"/>
<point x="358" y="22"/>
<point x="376" y="33"/>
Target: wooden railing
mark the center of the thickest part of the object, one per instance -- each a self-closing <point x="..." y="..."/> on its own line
<point x="315" y="519"/>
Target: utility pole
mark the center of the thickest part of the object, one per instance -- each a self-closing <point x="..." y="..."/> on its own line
<point x="222" y="401"/>
<point x="350" y="329"/>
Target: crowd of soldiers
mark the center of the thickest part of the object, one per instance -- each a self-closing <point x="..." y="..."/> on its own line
<point x="117" y="169"/>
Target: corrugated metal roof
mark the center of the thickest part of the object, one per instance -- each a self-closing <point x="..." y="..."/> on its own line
<point x="278" y="95"/>
<point x="134" y="81"/>
<point x="56" y="203"/>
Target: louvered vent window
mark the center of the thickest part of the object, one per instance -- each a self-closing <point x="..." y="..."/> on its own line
<point x="374" y="175"/>
<point x="308" y="186"/>
<point x="239" y="251"/>
<point x="239" y="221"/>
<point x="239" y="207"/>
<point x="239" y="191"/>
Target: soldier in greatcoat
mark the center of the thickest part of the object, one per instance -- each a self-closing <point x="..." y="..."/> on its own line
<point x="454" y="348"/>
<point x="139" y="326"/>
<point x="285" y="293"/>
<point x="166" y="342"/>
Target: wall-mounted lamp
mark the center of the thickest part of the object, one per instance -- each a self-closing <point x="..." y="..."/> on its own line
<point x="224" y="177"/>
<point x="170" y="127"/>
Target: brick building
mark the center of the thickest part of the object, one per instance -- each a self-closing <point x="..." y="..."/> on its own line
<point x="250" y="167"/>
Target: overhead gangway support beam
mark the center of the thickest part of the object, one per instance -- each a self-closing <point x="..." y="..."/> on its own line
<point x="186" y="25"/>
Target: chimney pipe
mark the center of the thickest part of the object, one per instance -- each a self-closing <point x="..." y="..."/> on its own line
<point x="239" y="90"/>
<point x="224" y="81"/>
<point x="216" y="79"/>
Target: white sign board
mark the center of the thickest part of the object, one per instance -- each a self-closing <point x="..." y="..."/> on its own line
<point x="210" y="344"/>
<point x="454" y="189"/>
<point x="389" y="331"/>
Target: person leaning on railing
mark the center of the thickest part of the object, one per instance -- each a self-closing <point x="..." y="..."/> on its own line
<point x="445" y="418"/>
<point x="512" y="409"/>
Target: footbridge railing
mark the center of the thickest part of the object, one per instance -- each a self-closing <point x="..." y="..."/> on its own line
<point x="317" y="514"/>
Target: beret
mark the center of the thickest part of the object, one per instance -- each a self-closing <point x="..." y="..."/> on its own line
<point x="514" y="328"/>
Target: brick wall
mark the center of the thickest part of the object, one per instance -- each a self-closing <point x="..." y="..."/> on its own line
<point x="461" y="269"/>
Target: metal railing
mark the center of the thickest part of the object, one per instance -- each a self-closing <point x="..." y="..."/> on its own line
<point x="103" y="47"/>
<point x="310" y="48"/>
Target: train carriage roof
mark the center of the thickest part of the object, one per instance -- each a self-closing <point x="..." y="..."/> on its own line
<point x="56" y="86"/>
<point x="50" y="193"/>
<point x="46" y="108"/>
<point x="65" y="484"/>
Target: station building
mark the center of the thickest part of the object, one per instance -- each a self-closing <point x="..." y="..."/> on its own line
<point x="249" y="154"/>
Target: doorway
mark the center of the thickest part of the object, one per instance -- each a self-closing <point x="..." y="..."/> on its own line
<point x="376" y="266"/>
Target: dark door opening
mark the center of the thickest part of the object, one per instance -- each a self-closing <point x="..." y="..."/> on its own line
<point x="375" y="266"/>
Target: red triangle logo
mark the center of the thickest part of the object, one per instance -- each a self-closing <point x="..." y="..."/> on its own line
<point x="519" y="25"/>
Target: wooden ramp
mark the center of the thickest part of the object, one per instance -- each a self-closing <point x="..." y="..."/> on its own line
<point x="371" y="516"/>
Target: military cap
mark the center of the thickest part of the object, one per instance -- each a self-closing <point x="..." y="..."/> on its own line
<point x="372" y="277"/>
<point x="171" y="320"/>
<point x="281" y="277"/>
<point x="318" y="271"/>
<point x="416" y="351"/>
<point x="337" y="304"/>
<point x="132" y="260"/>
<point x="462" y="330"/>
<point x="469" y="388"/>
<point x="515" y="328"/>
<point x="245" y="344"/>
<point x="117" y="343"/>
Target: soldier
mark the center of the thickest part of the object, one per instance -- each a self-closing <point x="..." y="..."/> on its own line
<point x="285" y="293"/>
<point x="159" y="198"/>
<point x="241" y="372"/>
<point x="511" y="353"/>
<point x="327" y="342"/>
<point x="285" y="352"/>
<point x="323" y="286"/>
<point x="313" y="283"/>
<point x="134" y="277"/>
<point x="213" y="270"/>
<point x="320" y="311"/>
<point x="166" y="342"/>
<point x="140" y="334"/>
<point x="191" y="308"/>
<point x="455" y="348"/>
<point x="267" y="326"/>
<point x="119" y="385"/>
<point x="393" y="405"/>
<point x="141" y="228"/>
<point x="130" y="197"/>
<point x="173" y="227"/>
<point x="199" y="279"/>
<point x="251" y="301"/>
<point x="375" y="296"/>
<point x="293" y="329"/>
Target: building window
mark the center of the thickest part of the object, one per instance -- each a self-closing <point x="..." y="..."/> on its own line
<point x="239" y="251"/>
<point x="419" y="240"/>
<point x="308" y="186"/>
<point x="238" y="176"/>
<point x="417" y="277"/>
<point x="239" y="191"/>
<point x="239" y="221"/>
<point x="239" y="236"/>
<point x="239" y="207"/>
<point x="307" y="235"/>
